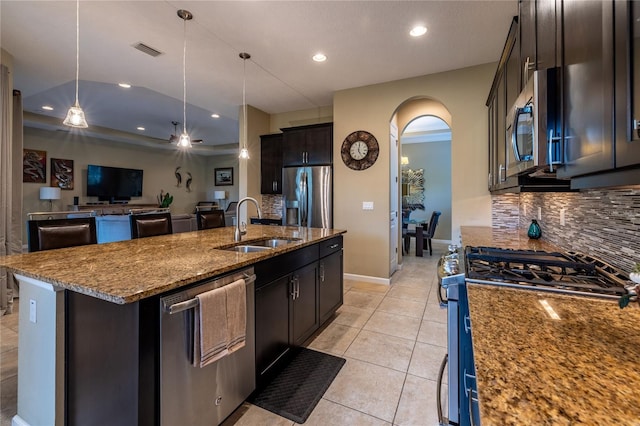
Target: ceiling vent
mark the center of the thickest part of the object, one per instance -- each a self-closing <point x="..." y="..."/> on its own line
<point x="147" y="49"/>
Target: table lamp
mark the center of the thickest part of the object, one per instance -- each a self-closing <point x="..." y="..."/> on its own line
<point x="220" y="195"/>
<point x="50" y="193"/>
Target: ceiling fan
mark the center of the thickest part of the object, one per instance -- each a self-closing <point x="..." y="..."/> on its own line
<point x="174" y="138"/>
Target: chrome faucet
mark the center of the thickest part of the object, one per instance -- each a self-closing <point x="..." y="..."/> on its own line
<point x="242" y="229"/>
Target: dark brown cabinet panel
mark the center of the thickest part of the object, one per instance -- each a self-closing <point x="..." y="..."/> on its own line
<point x="303" y="309"/>
<point x="627" y="80"/>
<point x="272" y="323"/>
<point x="547" y="30"/>
<point x="527" y="21"/>
<point x="587" y="87"/>
<point x="271" y="164"/>
<point x="307" y="145"/>
<point x="330" y="285"/>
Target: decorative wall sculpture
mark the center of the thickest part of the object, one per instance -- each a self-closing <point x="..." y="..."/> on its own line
<point x="414" y="197"/>
<point x="34" y="166"/>
<point x="62" y="173"/>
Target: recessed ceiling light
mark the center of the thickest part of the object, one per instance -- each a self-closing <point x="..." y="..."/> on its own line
<point x="47" y="107"/>
<point x="140" y="128"/>
<point x="319" y="57"/>
<point x="215" y="115"/>
<point x="124" y="85"/>
<point x="418" y="31"/>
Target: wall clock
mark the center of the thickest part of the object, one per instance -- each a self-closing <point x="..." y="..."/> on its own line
<point x="360" y="150"/>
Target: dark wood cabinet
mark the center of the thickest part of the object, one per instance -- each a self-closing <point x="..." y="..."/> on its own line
<point x="290" y="292"/>
<point x="307" y="145"/>
<point x="497" y="103"/>
<point x="527" y="23"/>
<point x="587" y="92"/>
<point x="547" y="45"/>
<point x="271" y="164"/>
<point x="330" y="285"/>
<point x="627" y="80"/>
<point x="272" y="323"/>
<point x="303" y="310"/>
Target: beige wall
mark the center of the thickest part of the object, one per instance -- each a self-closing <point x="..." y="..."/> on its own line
<point x="158" y="166"/>
<point x="463" y="93"/>
<point x="257" y="124"/>
<point x="301" y="118"/>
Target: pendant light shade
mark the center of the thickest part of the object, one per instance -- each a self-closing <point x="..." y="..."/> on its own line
<point x="244" y="152"/>
<point x="75" y="116"/>
<point x="185" y="140"/>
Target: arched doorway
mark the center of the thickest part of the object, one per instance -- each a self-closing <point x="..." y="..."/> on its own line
<point x="419" y="122"/>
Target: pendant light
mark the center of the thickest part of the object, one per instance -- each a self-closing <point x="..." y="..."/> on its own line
<point x="184" y="141"/>
<point x="244" y="152"/>
<point x="75" y="116"/>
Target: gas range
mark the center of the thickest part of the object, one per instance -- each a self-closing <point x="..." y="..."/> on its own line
<point x="568" y="272"/>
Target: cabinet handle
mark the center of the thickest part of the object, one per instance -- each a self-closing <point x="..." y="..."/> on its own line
<point x="500" y="172"/>
<point x="467" y="324"/>
<point x="322" y="272"/>
<point x="297" y="287"/>
<point x="552" y="140"/>
<point x="292" y="283"/>
<point x="332" y="246"/>
<point x="489" y="180"/>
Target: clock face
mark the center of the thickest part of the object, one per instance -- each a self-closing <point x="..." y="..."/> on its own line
<point x="360" y="150"/>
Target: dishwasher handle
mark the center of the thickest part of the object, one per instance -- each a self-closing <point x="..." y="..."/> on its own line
<point x="192" y="303"/>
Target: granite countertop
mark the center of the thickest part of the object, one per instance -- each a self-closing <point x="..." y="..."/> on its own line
<point x="127" y="271"/>
<point x="534" y="370"/>
<point x="503" y="238"/>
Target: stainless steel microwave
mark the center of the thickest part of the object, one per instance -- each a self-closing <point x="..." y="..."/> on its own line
<point x="533" y="127"/>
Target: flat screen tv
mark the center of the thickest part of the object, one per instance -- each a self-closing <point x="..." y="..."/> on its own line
<point x="113" y="183"/>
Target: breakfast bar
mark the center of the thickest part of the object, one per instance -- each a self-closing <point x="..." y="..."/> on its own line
<point x="89" y="318"/>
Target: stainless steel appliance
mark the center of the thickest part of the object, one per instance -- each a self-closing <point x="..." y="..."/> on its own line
<point x="533" y="127"/>
<point x="308" y="196"/>
<point x="192" y="395"/>
<point x="567" y="273"/>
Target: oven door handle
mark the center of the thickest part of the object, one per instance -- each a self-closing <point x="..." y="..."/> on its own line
<point x="442" y="300"/>
<point x="442" y="420"/>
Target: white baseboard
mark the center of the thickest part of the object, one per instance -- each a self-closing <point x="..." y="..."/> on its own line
<point x="367" y="279"/>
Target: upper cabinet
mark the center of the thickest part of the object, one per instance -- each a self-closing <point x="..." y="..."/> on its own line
<point x="271" y="164"/>
<point x="307" y="145"/>
<point x="595" y="54"/>
<point x="587" y="88"/>
<point x="627" y="95"/>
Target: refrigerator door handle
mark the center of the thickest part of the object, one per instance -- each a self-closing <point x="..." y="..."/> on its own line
<point x="304" y="199"/>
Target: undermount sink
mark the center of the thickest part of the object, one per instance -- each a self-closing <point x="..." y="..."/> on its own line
<point x="273" y="242"/>
<point x="256" y="246"/>
<point x="247" y="248"/>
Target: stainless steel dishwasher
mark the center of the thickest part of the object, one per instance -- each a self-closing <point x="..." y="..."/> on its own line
<point x="192" y="395"/>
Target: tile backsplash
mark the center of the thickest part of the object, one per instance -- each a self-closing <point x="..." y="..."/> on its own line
<point x="272" y="205"/>
<point x="602" y="223"/>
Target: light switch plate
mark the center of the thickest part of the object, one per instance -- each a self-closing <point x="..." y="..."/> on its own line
<point x="367" y="205"/>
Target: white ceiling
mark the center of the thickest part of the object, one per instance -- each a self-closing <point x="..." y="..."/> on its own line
<point x="366" y="42"/>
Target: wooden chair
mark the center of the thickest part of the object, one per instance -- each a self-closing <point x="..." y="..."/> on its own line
<point x="209" y="219"/>
<point x="150" y="224"/>
<point x="430" y="231"/>
<point x="49" y="234"/>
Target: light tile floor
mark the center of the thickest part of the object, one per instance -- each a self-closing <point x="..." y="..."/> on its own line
<point x="393" y="338"/>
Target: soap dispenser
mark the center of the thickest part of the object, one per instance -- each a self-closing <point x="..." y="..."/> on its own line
<point x="534" y="230"/>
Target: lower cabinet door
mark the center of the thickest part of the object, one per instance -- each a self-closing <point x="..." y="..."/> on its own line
<point x="272" y="323"/>
<point x="304" y="311"/>
<point x="330" y="285"/>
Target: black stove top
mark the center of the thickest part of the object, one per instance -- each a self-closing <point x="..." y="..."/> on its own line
<point x="568" y="272"/>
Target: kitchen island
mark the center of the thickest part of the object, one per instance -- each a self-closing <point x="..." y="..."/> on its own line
<point x="89" y="338"/>
<point x="579" y="368"/>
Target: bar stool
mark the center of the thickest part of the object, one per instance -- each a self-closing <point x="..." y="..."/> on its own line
<point x="150" y="223"/>
<point x="207" y="218"/>
<point x="48" y="231"/>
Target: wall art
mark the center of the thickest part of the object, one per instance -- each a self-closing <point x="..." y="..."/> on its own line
<point x="224" y="176"/>
<point x="34" y="166"/>
<point x="62" y="173"/>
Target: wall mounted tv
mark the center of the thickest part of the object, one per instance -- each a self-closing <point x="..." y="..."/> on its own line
<point x="113" y="183"/>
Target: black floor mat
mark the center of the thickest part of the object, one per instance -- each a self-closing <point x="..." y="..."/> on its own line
<point x="296" y="391"/>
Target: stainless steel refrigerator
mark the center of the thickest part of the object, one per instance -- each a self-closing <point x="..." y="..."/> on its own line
<point x="308" y="196"/>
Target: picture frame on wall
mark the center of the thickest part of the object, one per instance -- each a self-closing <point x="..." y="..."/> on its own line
<point x="62" y="173"/>
<point x="34" y="166"/>
<point x="223" y="176"/>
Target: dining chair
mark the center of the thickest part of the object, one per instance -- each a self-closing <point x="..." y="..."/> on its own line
<point x="150" y="224"/>
<point x="430" y="231"/>
<point x="209" y="219"/>
<point x="49" y="234"/>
